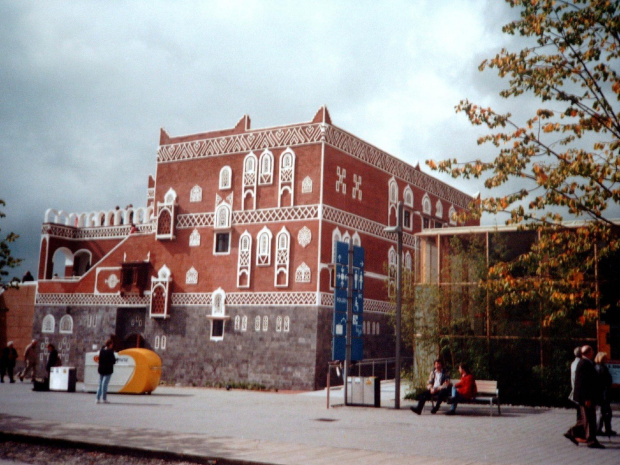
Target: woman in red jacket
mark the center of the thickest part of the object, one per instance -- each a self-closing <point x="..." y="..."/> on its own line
<point x="465" y="389"/>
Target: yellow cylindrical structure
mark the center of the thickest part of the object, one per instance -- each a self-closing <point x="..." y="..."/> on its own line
<point x="147" y="371"/>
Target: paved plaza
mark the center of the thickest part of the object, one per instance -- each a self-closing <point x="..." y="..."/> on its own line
<point x="251" y="427"/>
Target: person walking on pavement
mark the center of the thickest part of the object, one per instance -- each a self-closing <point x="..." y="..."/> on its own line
<point x="7" y="362"/>
<point x="107" y="359"/>
<point x="587" y="394"/>
<point x="30" y="357"/>
<point x="604" y="377"/>
<point x="438" y="385"/>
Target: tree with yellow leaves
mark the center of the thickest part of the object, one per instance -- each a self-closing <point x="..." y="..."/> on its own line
<point x="564" y="160"/>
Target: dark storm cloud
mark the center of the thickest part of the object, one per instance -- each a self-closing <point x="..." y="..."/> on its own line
<point x="86" y="85"/>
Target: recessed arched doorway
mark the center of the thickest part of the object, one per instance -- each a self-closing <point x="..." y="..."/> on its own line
<point x="135" y="340"/>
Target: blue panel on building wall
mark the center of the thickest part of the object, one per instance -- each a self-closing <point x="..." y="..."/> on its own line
<point x="339" y="348"/>
<point x="358" y="302"/>
<point x="339" y="328"/>
<point x="342" y="253"/>
<point x="357" y="349"/>
<point x="342" y="276"/>
<point x="340" y="300"/>
<point x="358" y="257"/>
<point x="357" y="325"/>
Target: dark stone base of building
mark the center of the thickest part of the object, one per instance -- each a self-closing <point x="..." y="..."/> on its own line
<point x="273" y="347"/>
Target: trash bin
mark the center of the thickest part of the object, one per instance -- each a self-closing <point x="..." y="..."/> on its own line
<point x="136" y="371"/>
<point x="364" y="391"/>
<point x="62" y="379"/>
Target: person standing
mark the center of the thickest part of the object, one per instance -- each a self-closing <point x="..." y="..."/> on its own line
<point x="438" y="385"/>
<point x="7" y="362"/>
<point x="464" y="389"/>
<point x="604" y="378"/>
<point x="107" y="359"/>
<point x="52" y="360"/>
<point x="30" y="357"/>
<point x="587" y="395"/>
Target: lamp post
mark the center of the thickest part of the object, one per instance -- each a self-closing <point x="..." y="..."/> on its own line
<point x="398" y="229"/>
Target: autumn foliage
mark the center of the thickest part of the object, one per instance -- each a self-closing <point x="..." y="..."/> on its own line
<point x="562" y="163"/>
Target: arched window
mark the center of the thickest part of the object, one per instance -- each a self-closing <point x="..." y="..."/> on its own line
<point x="195" y="194"/>
<point x="225" y="177"/>
<point x="266" y="168"/>
<point x="282" y="258"/>
<point x="303" y="273"/>
<point x="48" y="325"/>
<point x="222" y="216"/>
<point x="439" y="209"/>
<point x="408" y="197"/>
<point x="426" y="205"/>
<point x="452" y="215"/>
<point x="66" y="325"/>
<point x="263" y="256"/>
<point x="191" y="277"/>
<point x="244" y="260"/>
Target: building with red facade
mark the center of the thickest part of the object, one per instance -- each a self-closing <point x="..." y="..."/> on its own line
<point x="226" y="272"/>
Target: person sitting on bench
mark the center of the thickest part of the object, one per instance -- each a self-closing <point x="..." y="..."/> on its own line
<point x="464" y="390"/>
<point x="438" y="385"/>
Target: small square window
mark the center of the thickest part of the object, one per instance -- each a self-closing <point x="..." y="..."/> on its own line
<point x="222" y="242"/>
<point x="426" y="223"/>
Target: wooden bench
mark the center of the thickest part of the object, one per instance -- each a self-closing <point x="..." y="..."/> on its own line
<point x="488" y="393"/>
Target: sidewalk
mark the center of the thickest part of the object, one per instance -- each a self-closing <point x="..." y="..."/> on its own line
<point x="289" y="429"/>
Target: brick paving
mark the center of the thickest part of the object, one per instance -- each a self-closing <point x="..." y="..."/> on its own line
<point x="296" y="428"/>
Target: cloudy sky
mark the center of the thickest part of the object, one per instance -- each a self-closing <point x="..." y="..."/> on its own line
<point x="86" y="86"/>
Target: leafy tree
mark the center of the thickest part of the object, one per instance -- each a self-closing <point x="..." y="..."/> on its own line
<point x="6" y="259"/>
<point x="564" y="160"/>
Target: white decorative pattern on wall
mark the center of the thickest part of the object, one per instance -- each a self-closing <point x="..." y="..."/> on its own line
<point x="341" y="174"/>
<point x="304" y="236"/>
<point x="263" y="254"/>
<point x="357" y="187"/>
<point x="194" y="238"/>
<point x="266" y="168"/>
<point x="195" y="194"/>
<point x="303" y="274"/>
<point x="191" y="277"/>
<point x="283" y="241"/>
<point x="244" y="260"/>
<point x="306" y="185"/>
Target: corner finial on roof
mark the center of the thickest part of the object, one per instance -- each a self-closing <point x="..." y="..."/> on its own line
<point x="243" y="124"/>
<point x="322" y="116"/>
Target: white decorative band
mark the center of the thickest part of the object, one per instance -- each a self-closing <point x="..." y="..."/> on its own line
<point x="104" y="300"/>
<point x="267" y="215"/>
<point x="358" y="223"/>
<point x="100" y="232"/>
<point x="312" y="133"/>
<point x="370" y="305"/>
<point x="248" y="299"/>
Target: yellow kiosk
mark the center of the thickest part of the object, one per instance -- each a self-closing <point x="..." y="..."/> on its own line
<point x="136" y="371"/>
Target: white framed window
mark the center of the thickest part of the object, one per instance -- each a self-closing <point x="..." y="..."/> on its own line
<point x="452" y="215"/>
<point x="223" y="213"/>
<point x="218" y="315"/>
<point x="408" y="197"/>
<point x="244" y="260"/>
<point x="303" y="274"/>
<point x="244" y="323"/>
<point x="257" y="323"/>
<point x="221" y="244"/>
<point x="439" y="209"/>
<point x="237" y="323"/>
<point x="287" y="324"/>
<point x="266" y="168"/>
<point x="194" y="238"/>
<point x="279" y="324"/>
<point x="49" y="324"/>
<point x="225" y="178"/>
<point x="195" y="194"/>
<point x="263" y="254"/>
<point x="306" y="185"/>
<point x="265" y="323"/>
<point x="426" y="205"/>
<point x="283" y="240"/>
<point x="191" y="277"/>
<point x="65" y="325"/>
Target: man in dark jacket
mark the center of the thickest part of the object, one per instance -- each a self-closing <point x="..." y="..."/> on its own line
<point x="438" y="385"/>
<point x="107" y="359"/>
<point x="7" y="362"/>
<point x="587" y="394"/>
